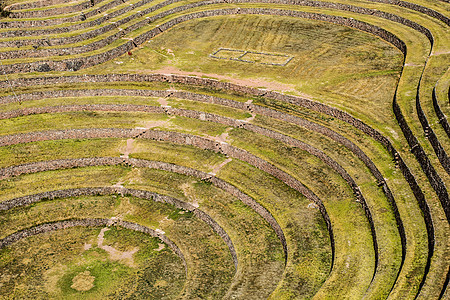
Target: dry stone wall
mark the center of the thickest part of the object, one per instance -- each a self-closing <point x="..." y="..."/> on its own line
<point x="222" y="120"/>
<point x="57" y="21"/>
<point x="41" y="13"/>
<point x="178" y="138"/>
<point x="48" y="227"/>
<point x="235" y="123"/>
<point x="442" y="118"/>
<point x="35" y="4"/>
<point x="429" y="133"/>
<point x="214" y="84"/>
<point x="112" y="53"/>
<point x="435" y="180"/>
<point x="252" y="107"/>
<point x="413" y="6"/>
<point x="112" y="161"/>
<point x="94" y="191"/>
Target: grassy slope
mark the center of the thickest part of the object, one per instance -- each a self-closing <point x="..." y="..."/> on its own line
<point x="363" y="90"/>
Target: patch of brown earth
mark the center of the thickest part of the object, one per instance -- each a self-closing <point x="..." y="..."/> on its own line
<point x="83" y="282"/>
<point x="160" y="247"/>
<point x="245" y="82"/>
<point x="129" y="148"/>
<point x="152" y="124"/>
<point x="217" y="168"/>
<point x="189" y="193"/>
<point x="163" y="102"/>
<point x="124" y="256"/>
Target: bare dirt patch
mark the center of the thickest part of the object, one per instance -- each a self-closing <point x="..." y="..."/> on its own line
<point x="123" y="256"/>
<point x="83" y="282"/>
<point x="129" y="148"/>
<point x="189" y="193"/>
<point x="160" y="247"/>
<point x="220" y="166"/>
<point x="162" y="102"/>
<point x="152" y="124"/>
<point x="246" y="82"/>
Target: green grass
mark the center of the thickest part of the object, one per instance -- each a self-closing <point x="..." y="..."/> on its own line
<point x="194" y="237"/>
<point x="50" y="150"/>
<point x="82" y="119"/>
<point x="289" y="161"/>
<point x="333" y="64"/>
<point x="63" y="257"/>
<point x="154" y="179"/>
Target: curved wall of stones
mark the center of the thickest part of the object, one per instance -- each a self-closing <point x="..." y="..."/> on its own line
<point x="106" y="161"/>
<point x="58" y="21"/>
<point x="442" y="118"/>
<point x="435" y="180"/>
<point x="41" y="13"/>
<point x="48" y="227"/>
<point x="422" y="9"/>
<point x="432" y="137"/>
<point x="30" y="199"/>
<point x="222" y="120"/>
<point x="78" y="63"/>
<point x="246" y="90"/>
<point x="35" y="4"/>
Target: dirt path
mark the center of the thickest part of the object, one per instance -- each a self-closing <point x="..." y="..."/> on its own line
<point x="125" y="256"/>
<point x="163" y="102"/>
<point x="160" y="247"/>
<point x="246" y="82"/>
<point x="187" y="190"/>
<point x="119" y="184"/>
<point x="129" y="149"/>
<point x="223" y="137"/>
<point x="249" y="119"/>
<point x="220" y="166"/>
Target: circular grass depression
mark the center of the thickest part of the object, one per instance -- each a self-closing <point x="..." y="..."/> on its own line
<point x="90" y="263"/>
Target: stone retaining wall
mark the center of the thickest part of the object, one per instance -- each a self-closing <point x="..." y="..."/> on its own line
<point x="255" y="109"/>
<point x="442" y="118"/>
<point x="48" y="227"/>
<point x="112" y="53"/>
<point x="214" y="84"/>
<point x="106" y="41"/>
<point x="94" y="33"/>
<point x="222" y="120"/>
<point x="425" y="10"/>
<point x="178" y="138"/>
<point x="211" y="83"/>
<point x="93" y="191"/>
<point x="433" y="177"/>
<point x="73" y="27"/>
<point x="108" y="161"/>
<point x="45" y="13"/>
<point x="432" y="137"/>
<point x="251" y="107"/>
<point x="59" y="21"/>
<point x="429" y="132"/>
<point x="35" y="4"/>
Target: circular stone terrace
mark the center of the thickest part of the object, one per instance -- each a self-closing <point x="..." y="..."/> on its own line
<point x="210" y="149"/>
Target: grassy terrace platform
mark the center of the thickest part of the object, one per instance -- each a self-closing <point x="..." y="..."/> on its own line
<point x="321" y="190"/>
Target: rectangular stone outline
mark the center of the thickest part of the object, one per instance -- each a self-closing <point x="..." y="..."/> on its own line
<point x="244" y="52"/>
